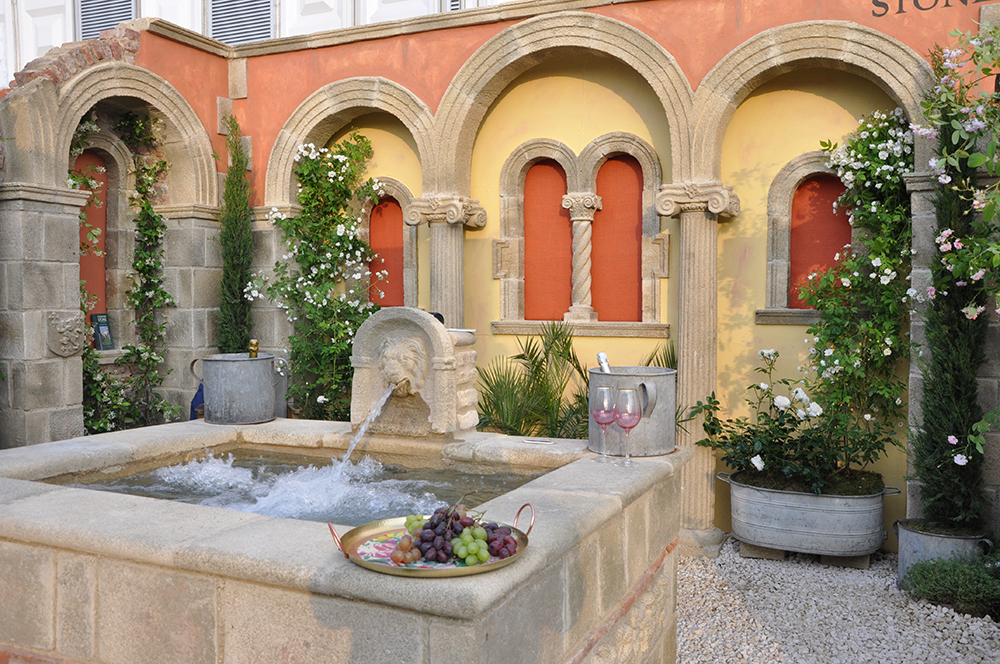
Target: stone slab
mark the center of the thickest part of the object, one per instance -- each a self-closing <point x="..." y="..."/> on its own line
<point x="27" y="586"/>
<point x="853" y="562"/>
<point x="760" y="552"/>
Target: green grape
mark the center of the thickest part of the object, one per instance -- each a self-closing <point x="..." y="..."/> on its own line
<point x="472" y="547"/>
<point x="479" y="533"/>
<point x="484" y="555"/>
<point x="471" y="560"/>
<point x="461" y="551"/>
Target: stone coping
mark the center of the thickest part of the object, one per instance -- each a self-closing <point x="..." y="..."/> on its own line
<point x="571" y="501"/>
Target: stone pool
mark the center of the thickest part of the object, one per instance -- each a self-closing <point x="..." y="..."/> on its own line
<point x="92" y="576"/>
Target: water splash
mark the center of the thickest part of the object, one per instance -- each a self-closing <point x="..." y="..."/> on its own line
<point x="363" y="429"/>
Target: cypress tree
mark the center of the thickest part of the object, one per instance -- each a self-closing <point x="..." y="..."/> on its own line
<point x="236" y="238"/>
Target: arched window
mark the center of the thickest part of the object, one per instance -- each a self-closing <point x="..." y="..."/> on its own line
<point x="817" y="233"/>
<point x="92" y="267"/>
<point x="616" y="251"/>
<point x="386" y="239"/>
<point x="548" y="243"/>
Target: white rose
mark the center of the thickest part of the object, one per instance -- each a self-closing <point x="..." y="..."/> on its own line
<point x="783" y="402"/>
<point x="815" y="410"/>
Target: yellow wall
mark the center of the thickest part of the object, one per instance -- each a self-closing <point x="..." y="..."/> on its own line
<point x="781" y="120"/>
<point x="396" y="156"/>
<point x="572" y="99"/>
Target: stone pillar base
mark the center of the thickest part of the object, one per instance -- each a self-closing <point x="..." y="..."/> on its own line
<point x="584" y="313"/>
<point x="701" y="542"/>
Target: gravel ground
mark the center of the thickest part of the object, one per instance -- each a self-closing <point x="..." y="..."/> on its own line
<point x="797" y="611"/>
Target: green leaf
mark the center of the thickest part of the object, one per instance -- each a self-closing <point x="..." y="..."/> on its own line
<point x="978" y="159"/>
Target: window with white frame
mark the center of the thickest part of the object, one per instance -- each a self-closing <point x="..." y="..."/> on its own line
<point x="240" y="21"/>
<point x="99" y="15"/>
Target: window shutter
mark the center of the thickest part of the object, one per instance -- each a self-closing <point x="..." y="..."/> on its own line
<point x="454" y="5"/>
<point x="239" y="21"/>
<point x="98" y="15"/>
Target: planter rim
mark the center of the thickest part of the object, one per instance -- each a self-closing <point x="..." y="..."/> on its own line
<point x="728" y="479"/>
<point x="905" y="524"/>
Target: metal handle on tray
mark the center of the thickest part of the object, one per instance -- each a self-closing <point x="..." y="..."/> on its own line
<point x="336" y="538"/>
<point x="532" y="523"/>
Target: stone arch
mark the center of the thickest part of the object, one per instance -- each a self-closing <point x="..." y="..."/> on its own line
<point x="891" y="65"/>
<point x="185" y="142"/>
<point x="779" y="218"/>
<point x="520" y="47"/>
<point x="508" y="250"/>
<point x="621" y="143"/>
<point x="398" y="191"/>
<point x="119" y="238"/>
<point x="330" y="108"/>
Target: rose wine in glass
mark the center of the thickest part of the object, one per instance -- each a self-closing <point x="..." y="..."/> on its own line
<point x="627" y="415"/>
<point x="602" y="409"/>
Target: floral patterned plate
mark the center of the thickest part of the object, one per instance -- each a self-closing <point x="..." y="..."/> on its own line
<point x="371" y="544"/>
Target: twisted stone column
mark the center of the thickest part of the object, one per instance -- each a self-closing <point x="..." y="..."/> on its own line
<point x="581" y="206"/>
<point x="447" y="217"/>
<point x="700" y="206"/>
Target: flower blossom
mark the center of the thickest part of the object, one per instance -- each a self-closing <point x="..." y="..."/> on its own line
<point x="782" y="402"/>
<point x="952" y="440"/>
<point x="321" y="399"/>
<point x="757" y="462"/>
<point x="972" y="311"/>
<point x="814" y="409"/>
<point x="961" y="459"/>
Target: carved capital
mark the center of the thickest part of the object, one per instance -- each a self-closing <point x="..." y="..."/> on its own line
<point x="581" y="205"/>
<point x="66" y="332"/>
<point x="445" y="210"/>
<point x="714" y="197"/>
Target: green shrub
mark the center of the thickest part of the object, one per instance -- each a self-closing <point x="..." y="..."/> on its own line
<point x="969" y="585"/>
<point x="236" y="241"/>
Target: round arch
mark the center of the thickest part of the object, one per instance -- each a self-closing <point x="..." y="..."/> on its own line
<point x="186" y="144"/>
<point x="330" y="108"/>
<point x="621" y="143"/>
<point x="888" y="63"/>
<point x="522" y="46"/>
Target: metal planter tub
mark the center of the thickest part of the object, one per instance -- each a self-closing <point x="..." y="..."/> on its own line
<point x="807" y="522"/>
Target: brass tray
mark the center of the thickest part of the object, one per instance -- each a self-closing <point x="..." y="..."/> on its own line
<point x="370" y="545"/>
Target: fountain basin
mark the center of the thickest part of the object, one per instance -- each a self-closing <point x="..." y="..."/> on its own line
<point x="120" y="579"/>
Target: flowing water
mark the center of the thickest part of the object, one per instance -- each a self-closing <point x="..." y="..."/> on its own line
<point x="363" y="429"/>
<point x="341" y="491"/>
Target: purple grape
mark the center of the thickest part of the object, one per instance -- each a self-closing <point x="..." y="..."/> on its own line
<point x="427" y="535"/>
<point x="447" y="548"/>
<point x="424" y="546"/>
<point x="495" y="548"/>
<point x="442" y="557"/>
<point x="504" y="553"/>
<point x="466" y="521"/>
<point x="431" y="554"/>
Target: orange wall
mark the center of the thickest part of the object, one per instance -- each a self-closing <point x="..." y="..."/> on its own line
<point x="696" y="32"/>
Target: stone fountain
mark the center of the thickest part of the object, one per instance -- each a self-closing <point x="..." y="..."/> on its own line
<point x="433" y="370"/>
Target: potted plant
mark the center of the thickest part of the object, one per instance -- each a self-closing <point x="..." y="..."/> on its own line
<point x="801" y="483"/>
<point x="948" y="450"/>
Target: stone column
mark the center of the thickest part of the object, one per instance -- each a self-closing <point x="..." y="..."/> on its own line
<point x="700" y="205"/>
<point x="192" y="270"/>
<point x="581" y="206"/>
<point x="447" y="217"/>
<point x="41" y="325"/>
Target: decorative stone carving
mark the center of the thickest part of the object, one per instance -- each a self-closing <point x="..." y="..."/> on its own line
<point x="445" y="209"/>
<point x="714" y="197"/>
<point x="65" y="332"/>
<point x="431" y="367"/>
<point x="581" y="206"/>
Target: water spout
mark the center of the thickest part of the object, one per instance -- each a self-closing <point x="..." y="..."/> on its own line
<point x="359" y="434"/>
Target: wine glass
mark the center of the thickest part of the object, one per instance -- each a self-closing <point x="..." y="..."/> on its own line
<point x="602" y="409"/>
<point x="627" y="415"/>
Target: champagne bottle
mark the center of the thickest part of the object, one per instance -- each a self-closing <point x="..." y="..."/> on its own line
<point x="602" y="359"/>
<point x="254" y="345"/>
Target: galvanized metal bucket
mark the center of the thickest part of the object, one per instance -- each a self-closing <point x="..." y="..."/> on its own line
<point x="654" y="435"/>
<point x="916" y="545"/>
<point x="239" y="389"/>
<point x="821" y="524"/>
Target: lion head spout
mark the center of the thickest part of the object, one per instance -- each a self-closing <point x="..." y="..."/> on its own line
<point x="403" y="363"/>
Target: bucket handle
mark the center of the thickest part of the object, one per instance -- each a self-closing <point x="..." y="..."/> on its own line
<point x="892" y="491"/>
<point x="987" y="546"/>
<point x="278" y="374"/>
<point x="648" y="392"/>
<point x="724" y="476"/>
<point x="191" y="369"/>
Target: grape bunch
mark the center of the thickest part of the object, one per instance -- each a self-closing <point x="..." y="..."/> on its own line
<point x="451" y="534"/>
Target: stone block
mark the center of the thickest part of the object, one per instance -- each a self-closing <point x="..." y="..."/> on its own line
<point x="65" y="423"/>
<point x="183" y="247"/>
<point x="35" y="335"/>
<point x="205" y="287"/>
<point x="853" y="562"/>
<point x="38" y="384"/>
<point x="12" y="334"/>
<point x="238" y="78"/>
<point x="12" y="428"/>
<point x="987" y="393"/>
<point x="199" y="328"/>
<point x="152" y="614"/>
<point x="664" y="517"/>
<point x="179" y="328"/>
<point x="76" y="590"/>
<point x="33" y="237"/>
<point x="73" y="371"/>
<point x="11" y="247"/>
<point x="61" y="239"/>
<point x="267" y="624"/>
<point x="27" y="586"/>
<point x="213" y="250"/>
<point x="760" y="552"/>
<point x="581" y="579"/>
<point x="42" y="285"/>
<point x="224" y="108"/>
<point x="611" y="544"/>
<point x="636" y="540"/>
